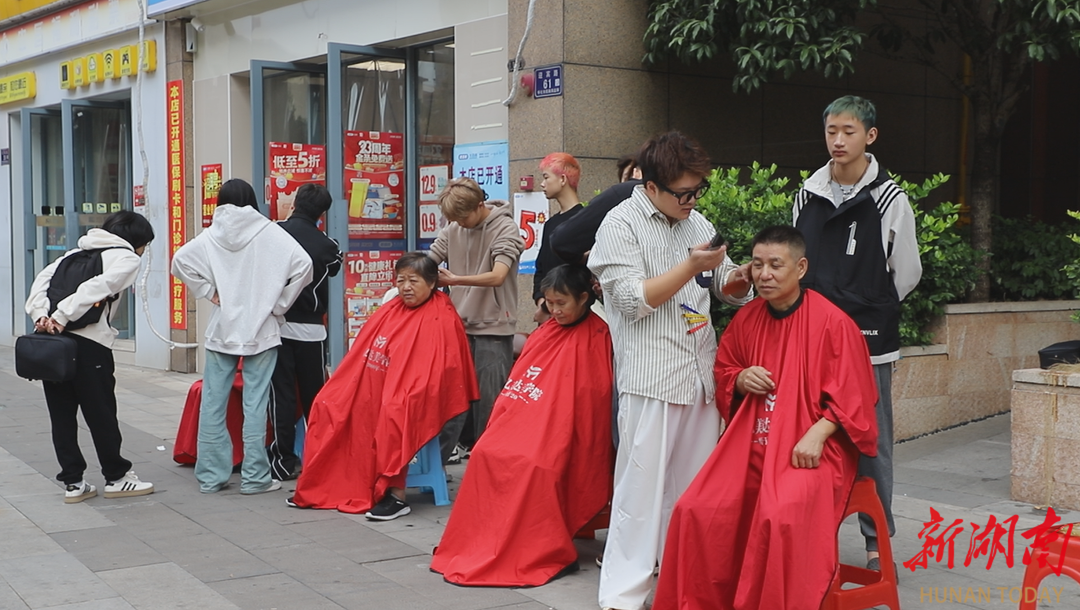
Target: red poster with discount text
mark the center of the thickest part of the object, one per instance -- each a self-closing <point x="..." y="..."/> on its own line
<point x="375" y="184"/>
<point x="368" y="275"/>
<point x="291" y="166"/>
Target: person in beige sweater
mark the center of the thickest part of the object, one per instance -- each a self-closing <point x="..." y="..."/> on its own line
<point x="481" y="247"/>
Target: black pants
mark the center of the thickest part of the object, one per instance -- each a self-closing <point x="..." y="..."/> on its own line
<point x="299" y="375"/>
<point x="94" y="390"/>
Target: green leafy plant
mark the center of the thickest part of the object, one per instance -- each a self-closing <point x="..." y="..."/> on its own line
<point x="1072" y="268"/>
<point x="948" y="261"/>
<point x="1030" y="260"/>
<point x="740" y="208"/>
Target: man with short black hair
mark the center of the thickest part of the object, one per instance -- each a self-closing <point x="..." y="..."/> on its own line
<point x="757" y="527"/>
<point x="301" y="363"/>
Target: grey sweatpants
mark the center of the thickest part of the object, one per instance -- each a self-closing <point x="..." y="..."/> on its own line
<point x="493" y="356"/>
<point x="880" y="468"/>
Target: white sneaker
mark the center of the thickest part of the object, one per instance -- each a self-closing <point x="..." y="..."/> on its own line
<point x="274" y="486"/>
<point x="79" y="492"/>
<point x="128" y="486"/>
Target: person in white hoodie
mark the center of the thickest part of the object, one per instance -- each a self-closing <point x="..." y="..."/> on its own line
<point x="122" y="240"/>
<point x="252" y="271"/>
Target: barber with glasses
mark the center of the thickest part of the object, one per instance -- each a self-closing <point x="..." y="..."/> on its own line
<point x="648" y="251"/>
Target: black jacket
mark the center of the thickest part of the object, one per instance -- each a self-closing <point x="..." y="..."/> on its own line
<point x="573" y="238"/>
<point x="310" y="306"/>
<point x="847" y="262"/>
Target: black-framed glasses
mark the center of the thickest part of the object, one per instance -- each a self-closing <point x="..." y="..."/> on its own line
<point x="685" y="197"/>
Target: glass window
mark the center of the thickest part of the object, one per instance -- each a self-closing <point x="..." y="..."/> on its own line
<point x="47" y="187"/>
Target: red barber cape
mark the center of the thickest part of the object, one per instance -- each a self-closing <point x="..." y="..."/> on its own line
<point x="408" y="372"/>
<point x="185" y="449"/>
<point x="752" y="531"/>
<point x="542" y="469"/>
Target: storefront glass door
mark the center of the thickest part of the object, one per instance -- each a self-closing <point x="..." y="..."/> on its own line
<point x="386" y="118"/>
<point x="74" y="175"/>
<point x="97" y="153"/>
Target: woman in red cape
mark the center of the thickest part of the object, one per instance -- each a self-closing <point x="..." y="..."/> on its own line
<point x="542" y="469"/>
<point x="407" y="373"/>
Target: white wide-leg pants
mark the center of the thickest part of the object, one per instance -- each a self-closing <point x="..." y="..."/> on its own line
<point x="661" y="448"/>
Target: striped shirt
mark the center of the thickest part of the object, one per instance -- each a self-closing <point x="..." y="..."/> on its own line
<point x="655" y="357"/>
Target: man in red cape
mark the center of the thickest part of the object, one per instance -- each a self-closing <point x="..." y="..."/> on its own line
<point x="408" y="372"/>
<point x="542" y="469"/>
<point x="757" y="527"/>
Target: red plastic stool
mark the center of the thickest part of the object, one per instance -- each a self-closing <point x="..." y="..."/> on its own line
<point x="1034" y="574"/>
<point x="878" y="588"/>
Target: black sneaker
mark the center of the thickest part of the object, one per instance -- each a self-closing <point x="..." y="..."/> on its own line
<point x="459" y="453"/>
<point x="390" y="508"/>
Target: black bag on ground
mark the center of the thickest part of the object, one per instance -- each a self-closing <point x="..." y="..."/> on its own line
<point x="72" y="271"/>
<point x="45" y="357"/>
<point x="1066" y="352"/>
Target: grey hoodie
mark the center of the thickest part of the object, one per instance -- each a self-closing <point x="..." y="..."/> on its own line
<point x="484" y="311"/>
<point x="256" y="269"/>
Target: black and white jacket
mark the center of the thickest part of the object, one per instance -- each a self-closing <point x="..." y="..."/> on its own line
<point x="862" y="251"/>
<point x="311" y="305"/>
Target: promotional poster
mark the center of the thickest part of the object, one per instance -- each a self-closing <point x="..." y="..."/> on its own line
<point x="291" y="166"/>
<point x="368" y="275"/>
<point x="375" y="184"/>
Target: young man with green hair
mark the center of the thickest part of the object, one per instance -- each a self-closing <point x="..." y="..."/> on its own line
<point x="860" y="241"/>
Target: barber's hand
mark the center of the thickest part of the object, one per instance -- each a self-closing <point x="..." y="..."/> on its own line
<point x="704" y="259"/>
<point x="540" y="316"/>
<point x="754" y="380"/>
<point x="807" y="453"/>
<point x="446" y="278"/>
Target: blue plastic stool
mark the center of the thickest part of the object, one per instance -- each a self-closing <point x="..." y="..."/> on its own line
<point x="426" y="471"/>
<point x="301" y="432"/>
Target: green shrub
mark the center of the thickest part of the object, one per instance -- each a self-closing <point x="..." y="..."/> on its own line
<point x="741" y="209"/>
<point x="1030" y="259"/>
<point x="948" y="262"/>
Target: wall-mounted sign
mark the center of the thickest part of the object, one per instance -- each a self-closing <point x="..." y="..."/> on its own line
<point x="549" y="81"/>
<point x="22" y="86"/>
<point x="211" y="184"/>
<point x="110" y="64"/>
<point x="174" y="112"/>
<point x="95" y="68"/>
<point x="486" y="162"/>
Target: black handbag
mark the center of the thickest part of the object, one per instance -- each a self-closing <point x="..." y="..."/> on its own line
<point x="45" y="357"/>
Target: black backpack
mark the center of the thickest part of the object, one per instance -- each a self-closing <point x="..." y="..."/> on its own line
<point x="72" y="271"/>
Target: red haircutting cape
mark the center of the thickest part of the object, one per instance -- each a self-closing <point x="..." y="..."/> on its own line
<point x="407" y="373"/>
<point x="542" y="469"/>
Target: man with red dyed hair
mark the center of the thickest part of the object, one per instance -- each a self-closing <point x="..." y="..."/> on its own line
<point x="561" y="173"/>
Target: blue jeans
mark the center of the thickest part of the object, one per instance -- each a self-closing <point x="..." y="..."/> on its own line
<point x="213" y="465"/>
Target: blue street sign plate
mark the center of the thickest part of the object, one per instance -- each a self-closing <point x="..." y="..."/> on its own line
<point x="549" y="81"/>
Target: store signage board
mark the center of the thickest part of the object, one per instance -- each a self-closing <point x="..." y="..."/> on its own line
<point x="157" y="7"/>
<point x="67" y="28"/>
<point x="488" y="163"/>
<point x="22" y="86"/>
<point x="549" y="81"/>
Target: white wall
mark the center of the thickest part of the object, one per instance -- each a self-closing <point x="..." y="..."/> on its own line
<point x="231" y="38"/>
<point x="148" y="350"/>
